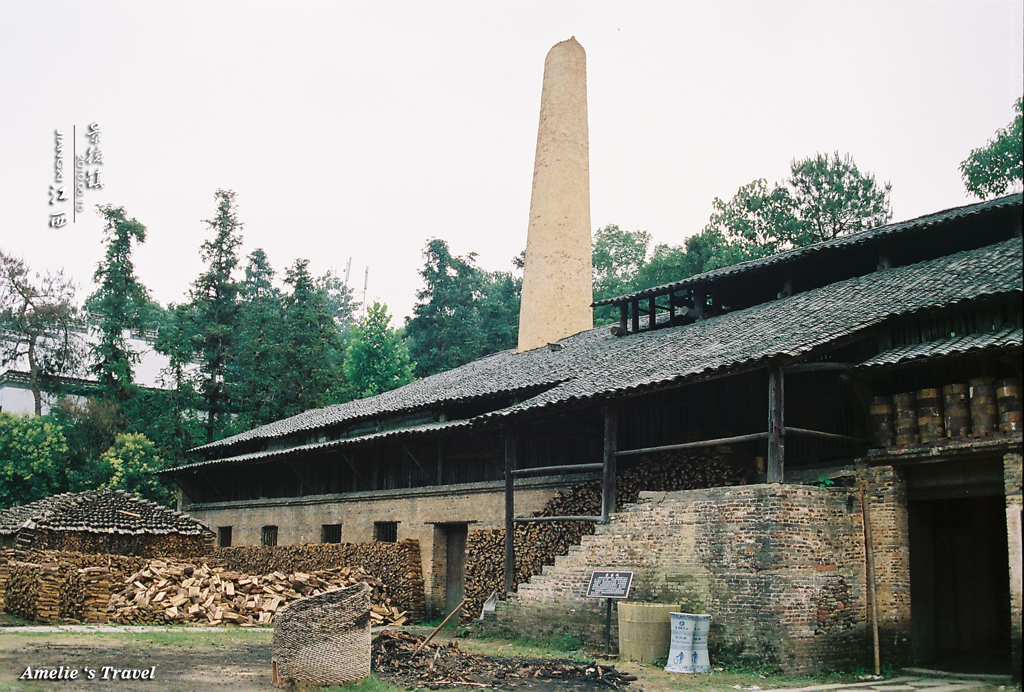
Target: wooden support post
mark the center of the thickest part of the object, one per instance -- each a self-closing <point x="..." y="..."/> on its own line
<point x="652" y="313"/>
<point x="884" y="256"/>
<point x="700" y="304"/>
<point x="776" y="424"/>
<point x="611" y="440"/>
<point x="634" y="306"/>
<point x="623" y="317"/>
<point x="510" y="512"/>
<point x="672" y="307"/>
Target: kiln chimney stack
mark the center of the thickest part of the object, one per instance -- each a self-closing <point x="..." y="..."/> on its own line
<point x="557" y="278"/>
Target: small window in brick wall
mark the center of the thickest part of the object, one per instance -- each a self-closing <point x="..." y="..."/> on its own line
<point x="385" y="531"/>
<point x="330" y="533"/>
<point x="224" y="536"/>
<point x="269" y="535"/>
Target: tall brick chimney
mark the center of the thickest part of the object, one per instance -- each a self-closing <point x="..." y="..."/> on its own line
<point x="557" y="278"/>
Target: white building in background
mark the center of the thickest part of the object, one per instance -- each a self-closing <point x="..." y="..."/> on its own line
<point x="16" y="392"/>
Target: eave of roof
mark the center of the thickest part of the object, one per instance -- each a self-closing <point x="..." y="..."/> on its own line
<point x="790" y="256"/>
<point x="271" y="455"/>
<point x="958" y="345"/>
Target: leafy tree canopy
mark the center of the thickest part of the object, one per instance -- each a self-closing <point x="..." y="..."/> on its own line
<point x="997" y="167"/>
<point x="377" y="359"/>
<point x="37" y="316"/>
<point x="33" y="458"/>
<point x="834" y="198"/>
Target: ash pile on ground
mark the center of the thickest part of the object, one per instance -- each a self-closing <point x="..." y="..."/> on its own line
<point x="445" y="666"/>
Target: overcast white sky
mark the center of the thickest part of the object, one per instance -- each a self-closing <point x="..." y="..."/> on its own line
<point x="363" y="129"/>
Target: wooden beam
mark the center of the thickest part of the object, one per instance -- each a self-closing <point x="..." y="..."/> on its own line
<point x="623" y="317"/>
<point x="510" y="511"/>
<point x="417" y="461"/>
<point x="611" y="441"/>
<point x="804" y="432"/>
<point x="817" y="367"/>
<point x="555" y="470"/>
<point x="634" y="306"/>
<point x="652" y="313"/>
<point x="695" y="445"/>
<point x="530" y="520"/>
<point x="776" y="423"/>
<point x="351" y="465"/>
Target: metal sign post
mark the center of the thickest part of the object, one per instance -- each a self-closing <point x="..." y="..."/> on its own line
<point x="609" y="585"/>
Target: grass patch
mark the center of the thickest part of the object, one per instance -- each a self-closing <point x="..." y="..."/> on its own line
<point x="370" y="684"/>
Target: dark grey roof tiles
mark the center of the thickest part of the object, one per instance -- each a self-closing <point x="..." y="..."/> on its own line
<point x="100" y="511"/>
<point x="829" y="246"/>
<point x="965" y="343"/>
<point x="596" y="364"/>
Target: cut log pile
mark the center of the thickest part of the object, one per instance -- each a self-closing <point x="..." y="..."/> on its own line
<point x="396" y="564"/>
<point x="33" y="591"/>
<point x="537" y="544"/>
<point x="184" y="593"/>
<point x="85" y="594"/>
<point x="402" y="658"/>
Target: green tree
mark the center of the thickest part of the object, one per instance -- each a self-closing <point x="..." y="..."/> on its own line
<point x="500" y="294"/>
<point x="173" y="412"/>
<point x="216" y="309"/>
<point x="444" y="331"/>
<point x="755" y="223"/>
<point x="255" y="368"/>
<point x="377" y="359"/>
<point x="834" y="198"/>
<point x="997" y="167"/>
<point x="340" y="300"/>
<point x="617" y="256"/>
<point x="119" y="303"/>
<point x="33" y="459"/>
<point x="311" y="372"/>
<point x="37" y="320"/>
<point x="130" y="464"/>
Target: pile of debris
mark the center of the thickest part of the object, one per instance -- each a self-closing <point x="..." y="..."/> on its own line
<point x="181" y="592"/>
<point x="404" y="659"/>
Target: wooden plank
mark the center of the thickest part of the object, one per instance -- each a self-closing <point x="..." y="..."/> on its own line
<point x="510" y="511"/>
<point x="555" y="470"/>
<point x="776" y="442"/>
<point x="695" y="445"/>
<point x="530" y="520"/>
<point x="611" y="438"/>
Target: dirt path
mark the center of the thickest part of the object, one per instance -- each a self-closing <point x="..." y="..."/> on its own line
<point x="239" y="666"/>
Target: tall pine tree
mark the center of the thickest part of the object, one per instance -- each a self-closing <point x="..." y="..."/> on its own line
<point x="120" y="303"/>
<point x="216" y="309"/>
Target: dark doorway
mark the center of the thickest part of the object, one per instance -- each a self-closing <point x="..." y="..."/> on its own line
<point x="455" y="566"/>
<point x="960" y="586"/>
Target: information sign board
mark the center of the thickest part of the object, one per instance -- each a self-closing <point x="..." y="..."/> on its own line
<point x="610" y="585"/>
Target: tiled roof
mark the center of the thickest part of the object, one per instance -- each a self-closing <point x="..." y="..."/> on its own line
<point x="828" y="246"/>
<point x="595" y="364"/>
<point x="256" y="457"/>
<point x="790" y="327"/>
<point x="100" y="511"/>
<point x="965" y="343"/>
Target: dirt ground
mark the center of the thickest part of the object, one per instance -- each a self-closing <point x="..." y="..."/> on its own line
<point x="239" y="661"/>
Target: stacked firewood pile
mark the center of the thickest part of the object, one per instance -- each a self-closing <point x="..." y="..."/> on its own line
<point x="85" y="594"/>
<point x="33" y="591"/>
<point x="181" y="592"/>
<point x="537" y="544"/>
<point x="396" y="564"/>
<point x="403" y="658"/>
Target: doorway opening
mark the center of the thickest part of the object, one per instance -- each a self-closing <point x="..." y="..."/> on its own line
<point x="960" y="584"/>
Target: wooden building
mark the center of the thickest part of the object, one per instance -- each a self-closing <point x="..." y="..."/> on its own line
<point x="808" y="364"/>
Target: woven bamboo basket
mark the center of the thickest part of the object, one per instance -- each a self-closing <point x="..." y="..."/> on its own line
<point x="324" y="639"/>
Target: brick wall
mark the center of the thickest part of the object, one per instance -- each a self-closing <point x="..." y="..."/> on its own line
<point x="779" y="567"/>
<point x="1012" y="476"/>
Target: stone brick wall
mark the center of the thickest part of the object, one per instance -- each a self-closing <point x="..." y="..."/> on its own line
<point x="417" y="511"/>
<point x="1012" y="476"/>
<point x="779" y="567"/>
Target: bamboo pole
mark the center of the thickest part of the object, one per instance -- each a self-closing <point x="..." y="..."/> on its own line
<point x="438" y="628"/>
